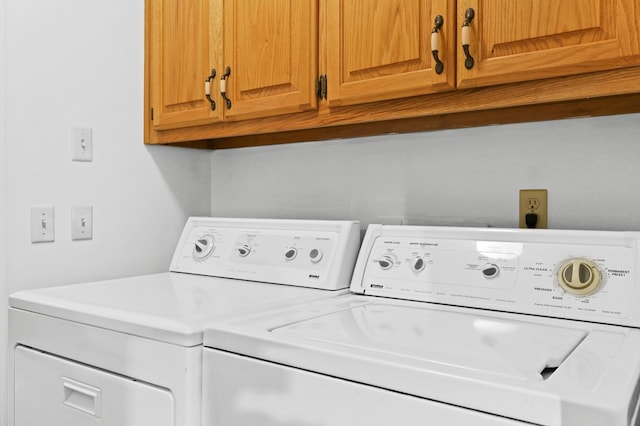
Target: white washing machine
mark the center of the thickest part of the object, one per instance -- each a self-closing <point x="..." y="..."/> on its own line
<point x="445" y="326"/>
<point x="128" y="352"/>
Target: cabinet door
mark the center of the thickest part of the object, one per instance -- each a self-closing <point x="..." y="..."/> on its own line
<point x="271" y="51"/>
<point x="184" y="41"/>
<point x="522" y="40"/>
<point x="381" y="49"/>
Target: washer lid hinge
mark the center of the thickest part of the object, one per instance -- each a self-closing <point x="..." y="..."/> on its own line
<point x="321" y="86"/>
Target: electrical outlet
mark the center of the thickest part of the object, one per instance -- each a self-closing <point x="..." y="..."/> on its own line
<point x="533" y="202"/>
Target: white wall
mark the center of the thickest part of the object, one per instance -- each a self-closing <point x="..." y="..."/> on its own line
<point x="3" y="284"/>
<point x="80" y="63"/>
<point x="467" y="176"/>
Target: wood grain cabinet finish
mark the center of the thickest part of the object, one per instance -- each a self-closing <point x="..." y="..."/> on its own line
<point x="381" y="49"/>
<point x="181" y="51"/>
<point x="532" y="60"/>
<point x="269" y="47"/>
<point x="522" y="40"/>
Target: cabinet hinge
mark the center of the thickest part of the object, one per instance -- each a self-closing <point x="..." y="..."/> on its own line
<point x="321" y="87"/>
<point x="151" y="114"/>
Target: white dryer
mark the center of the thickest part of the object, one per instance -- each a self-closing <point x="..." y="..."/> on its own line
<point x="128" y="352"/>
<point x="445" y="326"/>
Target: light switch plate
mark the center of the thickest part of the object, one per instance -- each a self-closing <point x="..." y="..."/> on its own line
<point x="81" y="223"/>
<point x="82" y="144"/>
<point x="42" y="224"/>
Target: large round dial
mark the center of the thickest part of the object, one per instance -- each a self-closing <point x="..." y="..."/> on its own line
<point x="579" y="276"/>
<point x="203" y="247"/>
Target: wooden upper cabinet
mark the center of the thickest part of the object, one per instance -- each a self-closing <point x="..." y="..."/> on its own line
<point x="271" y="49"/>
<point x="513" y="41"/>
<point x="269" y="46"/>
<point x="381" y="49"/>
<point x="182" y="52"/>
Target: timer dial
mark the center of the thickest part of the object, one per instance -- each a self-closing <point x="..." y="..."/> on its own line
<point x="203" y="247"/>
<point x="579" y="276"/>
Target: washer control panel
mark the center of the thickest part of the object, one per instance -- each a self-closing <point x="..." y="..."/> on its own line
<point x="318" y="254"/>
<point x="586" y="275"/>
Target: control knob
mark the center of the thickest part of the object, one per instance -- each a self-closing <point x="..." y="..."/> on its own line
<point x="244" y="250"/>
<point x="579" y="276"/>
<point x="291" y="253"/>
<point x="490" y="270"/>
<point x="203" y="247"/>
<point x="315" y="255"/>
<point x="386" y="261"/>
<point x="418" y="264"/>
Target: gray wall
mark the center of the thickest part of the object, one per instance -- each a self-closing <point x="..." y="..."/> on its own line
<point x="453" y="177"/>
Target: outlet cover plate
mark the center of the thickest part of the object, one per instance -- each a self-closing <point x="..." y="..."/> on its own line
<point x="533" y="201"/>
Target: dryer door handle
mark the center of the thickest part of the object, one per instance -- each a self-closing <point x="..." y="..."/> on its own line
<point x="82" y="397"/>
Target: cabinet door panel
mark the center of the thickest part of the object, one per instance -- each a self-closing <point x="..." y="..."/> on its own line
<point x="182" y="42"/>
<point x="531" y="39"/>
<point x="271" y="48"/>
<point x="381" y="49"/>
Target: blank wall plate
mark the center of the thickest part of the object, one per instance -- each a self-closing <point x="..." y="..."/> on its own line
<point x="82" y="144"/>
<point x="81" y="223"/>
<point x="43" y="224"/>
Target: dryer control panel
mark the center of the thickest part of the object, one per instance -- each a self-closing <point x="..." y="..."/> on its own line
<point x="585" y="275"/>
<point x="318" y="254"/>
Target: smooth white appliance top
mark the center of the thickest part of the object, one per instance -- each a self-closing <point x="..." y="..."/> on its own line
<point x="499" y="333"/>
<point x="168" y="307"/>
<point x="215" y="257"/>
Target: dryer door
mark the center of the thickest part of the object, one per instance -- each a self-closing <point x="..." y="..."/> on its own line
<point x="54" y="391"/>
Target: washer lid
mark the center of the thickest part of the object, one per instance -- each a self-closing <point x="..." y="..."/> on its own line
<point x="506" y="347"/>
<point x="538" y="370"/>
<point x="169" y="307"/>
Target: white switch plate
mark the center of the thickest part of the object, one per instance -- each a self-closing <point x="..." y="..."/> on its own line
<point x="42" y="224"/>
<point x="82" y="144"/>
<point x="81" y="223"/>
